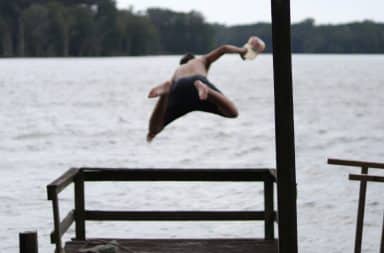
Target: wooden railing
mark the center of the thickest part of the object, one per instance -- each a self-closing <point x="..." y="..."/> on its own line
<point x="80" y="214"/>
<point x="363" y="178"/>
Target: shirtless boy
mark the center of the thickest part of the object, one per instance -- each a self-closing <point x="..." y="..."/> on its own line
<point x="189" y="89"/>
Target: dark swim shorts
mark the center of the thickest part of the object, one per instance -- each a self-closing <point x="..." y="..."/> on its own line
<point x="184" y="98"/>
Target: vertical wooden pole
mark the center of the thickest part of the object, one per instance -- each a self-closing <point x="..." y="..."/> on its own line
<point x="360" y="212"/>
<point x="382" y="239"/>
<point x="80" y="206"/>
<point x="284" y="126"/>
<point x="269" y="230"/>
<point x="28" y="242"/>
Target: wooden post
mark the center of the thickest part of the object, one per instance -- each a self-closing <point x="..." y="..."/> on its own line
<point x="382" y="239"/>
<point x="80" y="206"/>
<point x="28" y="242"/>
<point x="269" y="230"/>
<point x="56" y="219"/>
<point x="284" y="126"/>
<point x="360" y="212"/>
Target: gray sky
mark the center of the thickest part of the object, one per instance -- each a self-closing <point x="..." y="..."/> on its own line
<point x="250" y="11"/>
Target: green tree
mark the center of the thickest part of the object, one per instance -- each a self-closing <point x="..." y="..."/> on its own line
<point x="98" y="28"/>
<point x="83" y="38"/>
<point x="181" y="32"/>
<point x="301" y="30"/>
<point x="61" y="22"/>
<point x="239" y="35"/>
<point x="106" y="20"/>
<point x="37" y="24"/>
<point x="6" y="40"/>
<point x="138" y="36"/>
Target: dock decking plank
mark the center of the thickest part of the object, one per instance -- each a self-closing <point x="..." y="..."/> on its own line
<point x="182" y="245"/>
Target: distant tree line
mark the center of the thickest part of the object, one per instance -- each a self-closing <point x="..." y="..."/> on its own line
<point x="355" y="37"/>
<point x="44" y="28"/>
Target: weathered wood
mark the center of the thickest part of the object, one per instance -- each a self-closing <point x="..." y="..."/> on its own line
<point x="28" y="242"/>
<point x="56" y="224"/>
<point x="80" y="206"/>
<point x="59" y="184"/>
<point x="174" y="216"/>
<point x="64" y="226"/>
<point x="365" y="178"/>
<point x="382" y="238"/>
<point x="273" y="175"/>
<point x="284" y="126"/>
<point x="269" y="218"/>
<point x="222" y="175"/>
<point x="182" y="245"/>
<point x="80" y="176"/>
<point x="360" y="212"/>
<point x="354" y="163"/>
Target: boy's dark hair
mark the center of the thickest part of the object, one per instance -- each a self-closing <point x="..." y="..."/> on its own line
<point x="186" y="58"/>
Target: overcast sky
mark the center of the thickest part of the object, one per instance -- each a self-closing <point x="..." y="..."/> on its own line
<point x="250" y="11"/>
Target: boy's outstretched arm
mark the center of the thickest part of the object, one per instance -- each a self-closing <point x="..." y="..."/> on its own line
<point x="214" y="55"/>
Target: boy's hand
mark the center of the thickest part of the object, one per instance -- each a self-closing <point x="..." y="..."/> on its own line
<point x="243" y="53"/>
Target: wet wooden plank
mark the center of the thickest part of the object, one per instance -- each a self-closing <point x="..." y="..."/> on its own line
<point x="182" y="245"/>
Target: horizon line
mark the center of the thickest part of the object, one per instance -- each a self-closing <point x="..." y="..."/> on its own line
<point x="132" y="8"/>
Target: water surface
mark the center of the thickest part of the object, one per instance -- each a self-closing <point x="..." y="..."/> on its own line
<point x="62" y="113"/>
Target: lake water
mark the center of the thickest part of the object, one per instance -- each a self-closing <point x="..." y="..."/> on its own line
<point x="62" y="113"/>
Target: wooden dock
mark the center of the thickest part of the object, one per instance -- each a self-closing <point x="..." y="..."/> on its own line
<point x="267" y="243"/>
<point x="181" y="245"/>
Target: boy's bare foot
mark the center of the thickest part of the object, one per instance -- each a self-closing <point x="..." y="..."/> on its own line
<point x="202" y="89"/>
<point x="150" y="137"/>
<point x="157" y="92"/>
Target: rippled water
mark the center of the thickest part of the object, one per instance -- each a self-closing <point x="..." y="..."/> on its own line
<point x="59" y="113"/>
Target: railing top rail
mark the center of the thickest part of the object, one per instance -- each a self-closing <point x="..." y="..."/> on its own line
<point x="126" y="174"/>
<point x="129" y="170"/>
<point x="222" y="175"/>
<point x="60" y="183"/>
<point x="355" y="163"/>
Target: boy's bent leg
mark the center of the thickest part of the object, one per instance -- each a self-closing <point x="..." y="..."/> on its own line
<point x="226" y="107"/>
<point x="156" y="122"/>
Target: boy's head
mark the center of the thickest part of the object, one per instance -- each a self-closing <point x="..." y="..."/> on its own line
<point x="186" y="58"/>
